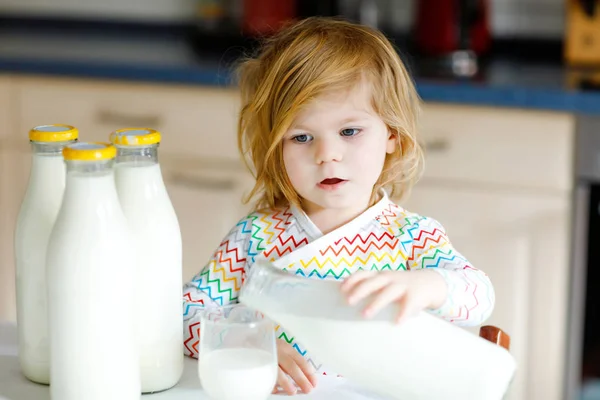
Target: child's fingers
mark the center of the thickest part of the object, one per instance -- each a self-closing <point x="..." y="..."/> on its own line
<point x="386" y="296"/>
<point x="299" y="377"/>
<point x="285" y="383"/>
<point x="277" y="389"/>
<point x="306" y="368"/>
<point x="313" y="379"/>
<point x="354" y="279"/>
<point x="366" y="287"/>
<point x="290" y="366"/>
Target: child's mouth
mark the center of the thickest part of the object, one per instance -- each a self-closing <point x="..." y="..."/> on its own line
<point x="331" y="183"/>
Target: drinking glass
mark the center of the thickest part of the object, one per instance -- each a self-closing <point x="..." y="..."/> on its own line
<point x="237" y="357"/>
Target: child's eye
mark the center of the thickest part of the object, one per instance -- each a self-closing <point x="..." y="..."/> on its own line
<point x="302" y="138"/>
<point x="349" y="132"/>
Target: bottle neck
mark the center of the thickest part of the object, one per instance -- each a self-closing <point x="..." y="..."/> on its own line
<point x="51" y="149"/>
<point x="142" y="155"/>
<point x="47" y="175"/>
<point x="47" y="165"/>
<point x="91" y="168"/>
<point x="90" y="188"/>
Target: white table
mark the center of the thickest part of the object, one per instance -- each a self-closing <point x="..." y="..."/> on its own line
<point x="14" y="386"/>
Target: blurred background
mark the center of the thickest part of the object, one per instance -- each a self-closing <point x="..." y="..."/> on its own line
<point x="511" y="130"/>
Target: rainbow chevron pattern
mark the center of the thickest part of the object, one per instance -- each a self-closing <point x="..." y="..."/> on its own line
<point x="388" y="237"/>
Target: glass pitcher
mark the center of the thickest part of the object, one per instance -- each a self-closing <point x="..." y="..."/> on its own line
<point x="423" y="358"/>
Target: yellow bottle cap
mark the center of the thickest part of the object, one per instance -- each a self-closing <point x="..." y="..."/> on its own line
<point x="53" y="133"/>
<point x="90" y="151"/>
<point x="135" y="137"/>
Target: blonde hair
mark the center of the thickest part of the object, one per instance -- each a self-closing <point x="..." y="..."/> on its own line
<point x="306" y="60"/>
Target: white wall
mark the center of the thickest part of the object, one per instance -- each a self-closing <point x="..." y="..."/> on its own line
<point x="532" y="18"/>
<point x="539" y="18"/>
<point x="152" y="10"/>
<point x="518" y="18"/>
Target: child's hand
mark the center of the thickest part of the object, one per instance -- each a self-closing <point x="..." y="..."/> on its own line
<point x="412" y="290"/>
<point x="294" y="365"/>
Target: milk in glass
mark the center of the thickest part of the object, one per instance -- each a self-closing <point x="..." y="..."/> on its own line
<point x="35" y="221"/>
<point x="254" y="372"/>
<point x="237" y="355"/>
<point x="90" y="274"/>
<point x="152" y="219"/>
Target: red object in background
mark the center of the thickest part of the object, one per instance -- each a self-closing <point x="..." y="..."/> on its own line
<point x="265" y="17"/>
<point x="445" y="26"/>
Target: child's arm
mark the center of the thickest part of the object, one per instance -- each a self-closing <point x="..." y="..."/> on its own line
<point x="438" y="279"/>
<point x="218" y="283"/>
<point x="470" y="294"/>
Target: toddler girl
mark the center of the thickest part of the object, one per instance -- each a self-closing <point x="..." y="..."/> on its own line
<point x="328" y="125"/>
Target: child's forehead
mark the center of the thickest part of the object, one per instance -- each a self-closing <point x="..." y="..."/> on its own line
<point x="354" y="98"/>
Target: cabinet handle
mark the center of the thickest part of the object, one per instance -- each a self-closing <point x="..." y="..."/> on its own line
<point x="437" y="145"/>
<point x="117" y="119"/>
<point x="202" y="183"/>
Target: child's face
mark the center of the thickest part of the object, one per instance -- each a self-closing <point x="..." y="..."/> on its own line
<point x="335" y="150"/>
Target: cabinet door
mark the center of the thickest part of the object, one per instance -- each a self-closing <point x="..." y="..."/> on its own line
<point x="208" y="201"/>
<point x="6" y="105"/>
<point x="195" y="121"/>
<point x="14" y="174"/>
<point x="500" y="147"/>
<point x="521" y="241"/>
<point x="10" y="165"/>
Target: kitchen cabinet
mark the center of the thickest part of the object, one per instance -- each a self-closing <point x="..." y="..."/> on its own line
<point x="194" y="121"/>
<point x="511" y="219"/>
<point x="6" y="104"/>
<point x="520" y="241"/>
<point x="14" y="174"/>
<point x="10" y="162"/>
<point x="207" y="197"/>
<point x="520" y="149"/>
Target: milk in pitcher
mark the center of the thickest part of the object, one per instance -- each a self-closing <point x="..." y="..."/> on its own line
<point x="90" y="273"/>
<point x="152" y="219"/>
<point x="424" y="358"/>
<point x="35" y="221"/>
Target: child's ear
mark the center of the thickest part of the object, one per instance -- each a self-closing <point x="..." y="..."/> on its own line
<point x="392" y="143"/>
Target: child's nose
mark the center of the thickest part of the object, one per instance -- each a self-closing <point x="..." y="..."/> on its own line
<point x="327" y="151"/>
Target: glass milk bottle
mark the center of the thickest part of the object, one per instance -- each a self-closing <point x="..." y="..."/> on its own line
<point x="152" y="219"/>
<point x="34" y="223"/>
<point x="93" y="352"/>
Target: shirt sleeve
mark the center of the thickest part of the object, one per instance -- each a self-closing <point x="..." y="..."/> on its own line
<point x="217" y="284"/>
<point x="471" y="296"/>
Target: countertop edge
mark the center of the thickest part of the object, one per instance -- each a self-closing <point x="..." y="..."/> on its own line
<point x="538" y="98"/>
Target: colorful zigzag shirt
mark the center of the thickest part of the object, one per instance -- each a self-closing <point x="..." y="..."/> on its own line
<point x="384" y="237"/>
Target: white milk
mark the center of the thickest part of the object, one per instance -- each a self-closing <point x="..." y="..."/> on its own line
<point x="91" y="288"/>
<point x="34" y="224"/>
<point x="425" y="358"/>
<point x="238" y="374"/>
<point x="152" y="219"/>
